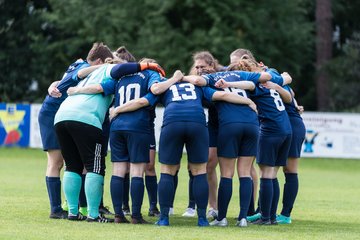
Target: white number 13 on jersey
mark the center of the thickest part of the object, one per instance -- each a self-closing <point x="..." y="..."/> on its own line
<point x="189" y="89"/>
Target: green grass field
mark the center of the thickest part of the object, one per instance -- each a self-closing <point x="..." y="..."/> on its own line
<point x="327" y="207"/>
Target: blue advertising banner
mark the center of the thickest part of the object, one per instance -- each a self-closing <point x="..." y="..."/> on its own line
<point x="14" y="124"/>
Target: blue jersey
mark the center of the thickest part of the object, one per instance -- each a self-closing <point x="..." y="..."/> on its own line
<point x="275" y="76"/>
<point x="291" y="107"/>
<point x="69" y="79"/>
<point x="272" y="115"/>
<point x="229" y="112"/>
<point x="182" y="102"/>
<point x="131" y="87"/>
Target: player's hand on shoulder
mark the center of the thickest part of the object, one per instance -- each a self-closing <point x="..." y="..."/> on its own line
<point x="112" y="113"/>
<point x="269" y="85"/>
<point x="178" y="75"/>
<point x="72" y="91"/>
<point x="300" y="109"/>
<point x="221" y="84"/>
<point x="54" y="92"/>
<point x="252" y="105"/>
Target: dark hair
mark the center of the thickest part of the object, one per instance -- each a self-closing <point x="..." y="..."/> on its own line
<point x="99" y="50"/>
<point x="124" y="54"/>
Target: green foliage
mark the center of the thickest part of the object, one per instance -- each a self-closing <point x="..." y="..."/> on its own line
<point x="51" y="34"/>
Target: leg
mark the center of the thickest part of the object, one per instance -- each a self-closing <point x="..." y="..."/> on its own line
<point x="137" y="171"/>
<point x="151" y="184"/>
<point x="291" y="186"/>
<point x="244" y="165"/>
<point x="212" y="178"/>
<point x="117" y="187"/>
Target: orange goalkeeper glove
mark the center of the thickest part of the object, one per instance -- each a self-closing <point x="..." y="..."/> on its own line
<point x="153" y="66"/>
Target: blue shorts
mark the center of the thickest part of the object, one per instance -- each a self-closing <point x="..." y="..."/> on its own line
<point x="273" y="150"/>
<point x="47" y="130"/>
<point x="213" y="135"/>
<point x="152" y="139"/>
<point x="173" y="137"/>
<point x="298" y="136"/>
<point x="128" y="146"/>
<point x="238" y="139"/>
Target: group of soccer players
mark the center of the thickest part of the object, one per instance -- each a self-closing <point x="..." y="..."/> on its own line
<point x="252" y="114"/>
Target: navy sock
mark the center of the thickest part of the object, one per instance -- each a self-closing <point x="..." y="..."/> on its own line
<point x="275" y="199"/>
<point x="166" y="190"/>
<point x="291" y="188"/>
<point x="82" y="196"/>
<point x="151" y="187"/>
<point x="266" y="196"/>
<point x="175" y="187"/>
<point x="117" y="191"/>
<point x="201" y="194"/>
<point x="191" y="194"/>
<point x="245" y="196"/>
<point x="251" y="210"/>
<point x="53" y="185"/>
<point x="126" y="190"/>
<point x="137" y="196"/>
<point x="224" y="196"/>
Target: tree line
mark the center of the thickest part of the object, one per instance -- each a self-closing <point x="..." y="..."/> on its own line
<point x="40" y="38"/>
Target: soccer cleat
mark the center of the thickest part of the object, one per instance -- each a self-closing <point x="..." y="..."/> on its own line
<point x="222" y="223"/>
<point x="212" y="213"/>
<point x="242" y="223"/>
<point x="281" y="219"/>
<point x="273" y="222"/>
<point x="254" y="217"/>
<point x="59" y="215"/>
<point x="154" y="212"/>
<point x="126" y="210"/>
<point x="171" y="211"/>
<point x="65" y="206"/>
<point x="83" y="211"/>
<point x="105" y="211"/>
<point x="189" y="212"/>
<point x="140" y="220"/>
<point x="203" y="222"/>
<point x="76" y="217"/>
<point x="261" y="222"/>
<point x="120" y="219"/>
<point x="163" y="222"/>
<point x="100" y="219"/>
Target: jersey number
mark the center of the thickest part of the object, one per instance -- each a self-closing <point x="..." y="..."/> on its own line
<point x="125" y="93"/>
<point x="277" y="100"/>
<point x="239" y="91"/>
<point x="189" y="89"/>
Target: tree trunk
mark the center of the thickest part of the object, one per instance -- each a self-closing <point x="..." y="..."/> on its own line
<point x="323" y="51"/>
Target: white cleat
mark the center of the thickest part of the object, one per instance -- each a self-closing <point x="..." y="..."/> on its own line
<point x="222" y="223"/>
<point x="242" y="223"/>
<point x="189" y="212"/>
<point x="212" y="213"/>
<point x="171" y="211"/>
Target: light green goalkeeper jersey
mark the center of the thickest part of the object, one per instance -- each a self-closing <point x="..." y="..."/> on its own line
<point x="88" y="108"/>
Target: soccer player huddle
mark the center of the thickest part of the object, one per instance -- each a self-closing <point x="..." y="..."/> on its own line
<point x="252" y="114"/>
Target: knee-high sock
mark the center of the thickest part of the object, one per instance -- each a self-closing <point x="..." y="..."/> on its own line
<point x="175" y="187"/>
<point x="151" y="187"/>
<point x="201" y="194"/>
<point x="291" y="189"/>
<point x="245" y="193"/>
<point x="191" y="192"/>
<point x="53" y="185"/>
<point x="72" y="186"/>
<point x="117" y="191"/>
<point x="126" y="190"/>
<point x="266" y="196"/>
<point x="82" y="196"/>
<point x="137" y="196"/>
<point x="224" y="196"/>
<point x="94" y="187"/>
<point x="251" y="210"/>
<point x="275" y="200"/>
<point x="166" y="190"/>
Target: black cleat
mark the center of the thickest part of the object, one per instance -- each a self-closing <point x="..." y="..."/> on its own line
<point x="59" y="215"/>
<point x="120" y="219"/>
<point x="100" y="219"/>
<point x="78" y="217"/>
<point x="261" y="222"/>
<point x="105" y="211"/>
<point x="126" y="210"/>
<point x="154" y="212"/>
<point x="140" y="220"/>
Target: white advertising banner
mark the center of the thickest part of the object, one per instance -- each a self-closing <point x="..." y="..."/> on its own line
<point x="331" y="135"/>
<point x="35" y="138"/>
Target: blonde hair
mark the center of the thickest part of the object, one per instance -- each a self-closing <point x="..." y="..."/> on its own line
<point x="114" y="60"/>
<point x="243" y="53"/>
<point x="248" y="65"/>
